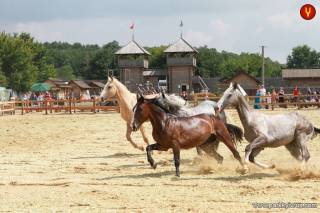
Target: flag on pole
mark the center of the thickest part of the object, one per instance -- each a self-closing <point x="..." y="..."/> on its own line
<point x="181" y="23"/>
<point x="132" y="26"/>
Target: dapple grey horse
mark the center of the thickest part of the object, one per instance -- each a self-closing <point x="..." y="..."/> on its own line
<point x="291" y="130"/>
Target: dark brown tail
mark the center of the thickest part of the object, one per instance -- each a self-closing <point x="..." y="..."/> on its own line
<point x="316" y="130"/>
<point x="235" y="132"/>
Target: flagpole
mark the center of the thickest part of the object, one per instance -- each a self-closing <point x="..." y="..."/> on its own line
<point x="181" y="25"/>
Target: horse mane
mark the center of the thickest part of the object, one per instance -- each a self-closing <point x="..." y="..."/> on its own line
<point x="119" y="84"/>
<point x="172" y="103"/>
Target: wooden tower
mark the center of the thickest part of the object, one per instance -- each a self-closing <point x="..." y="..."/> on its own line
<point x="181" y="63"/>
<point x="132" y="61"/>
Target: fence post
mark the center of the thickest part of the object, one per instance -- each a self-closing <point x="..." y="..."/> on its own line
<point x="70" y="109"/>
<point x="94" y="105"/>
<point x="46" y="106"/>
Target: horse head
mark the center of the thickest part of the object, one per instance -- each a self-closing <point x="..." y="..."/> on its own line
<point x="141" y="109"/>
<point x="231" y="96"/>
<point x="109" y="89"/>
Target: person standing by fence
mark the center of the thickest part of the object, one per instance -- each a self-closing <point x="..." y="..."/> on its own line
<point x="281" y="97"/>
<point x="257" y="100"/>
<point x="295" y="95"/>
<point x="273" y="98"/>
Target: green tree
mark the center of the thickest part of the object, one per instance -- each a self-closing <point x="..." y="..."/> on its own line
<point x="23" y="61"/>
<point x="303" y="57"/>
<point x="104" y="60"/>
<point x="158" y="57"/>
<point x="66" y="73"/>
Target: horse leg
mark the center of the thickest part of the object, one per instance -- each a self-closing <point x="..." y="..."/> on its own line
<point x="257" y="146"/>
<point x="295" y="150"/>
<point x="128" y="135"/>
<point x="145" y="139"/>
<point x="149" y="151"/>
<point x="211" y="149"/>
<point x="252" y="159"/>
<point x="302" y="140"/>
<point x="176" y="157"/>
<point x="199" y="150"/>
<point x="224" y="136"/>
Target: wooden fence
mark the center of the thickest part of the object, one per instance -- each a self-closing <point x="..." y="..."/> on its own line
<point x="53" y="106"/>
<point x="73" y="106"/>
<point x="7" y="107"/>
<point x="289" y="100"/>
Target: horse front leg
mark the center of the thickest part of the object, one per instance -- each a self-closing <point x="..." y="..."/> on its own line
<point x="128" y="135"/>
<point x="253" y="149"/>
<point x="145" y="139"/>
<point x="176" y="158"/>
<point x="149" y="154"/>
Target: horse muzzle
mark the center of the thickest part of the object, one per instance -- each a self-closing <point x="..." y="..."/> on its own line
<point x="134" y="127"/>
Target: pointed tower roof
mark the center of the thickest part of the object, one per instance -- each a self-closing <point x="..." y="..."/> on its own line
<point x="180" y="45"/>
<point x="132" y="48"/>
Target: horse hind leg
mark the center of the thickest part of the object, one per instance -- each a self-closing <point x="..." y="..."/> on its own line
<point x="145" y="139"/>
<point x="128" y="135"/>
<point x="224" y="136"/>
<point x="210" y="148"/>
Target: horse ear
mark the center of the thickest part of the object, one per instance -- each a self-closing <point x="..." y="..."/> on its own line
<point x="235" y="85"/>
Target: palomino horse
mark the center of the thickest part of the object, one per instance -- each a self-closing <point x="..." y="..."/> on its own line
<point x="170" y="131"/>
<point x="126" y="101"/>
<point x="291" y="130"/>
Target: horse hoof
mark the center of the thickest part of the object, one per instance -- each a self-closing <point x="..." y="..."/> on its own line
<point x="242" y="171"/>
<point x="154" y="166"/>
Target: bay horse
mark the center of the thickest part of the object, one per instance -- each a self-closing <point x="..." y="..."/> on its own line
<point x="179" y="107"/>
<point x="170" y="131"/>
<point x="291" y="130"/>
<point x="126" y="101"/>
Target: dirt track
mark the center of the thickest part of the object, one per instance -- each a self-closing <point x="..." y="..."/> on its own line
<point x="82" y="162"/>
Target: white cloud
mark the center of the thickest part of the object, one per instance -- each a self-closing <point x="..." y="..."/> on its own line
<point x="219" y="27"/>
<point x="282" y="20"/>
<point x="197" y="38"/>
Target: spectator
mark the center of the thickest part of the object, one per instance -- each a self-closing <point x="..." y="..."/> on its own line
<point x="257" y="100"/>
<point x="309" y="94"/>
<point x="295" y="94"/>
<point x="269" y="101"/>
<point x="184" y="95"/>
<point x="281" y="96"/>
<point x="273" y="98"/>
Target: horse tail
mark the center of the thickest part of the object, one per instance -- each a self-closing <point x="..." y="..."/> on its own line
<point x="316" y="131"/>
<point x="235" y="132"/>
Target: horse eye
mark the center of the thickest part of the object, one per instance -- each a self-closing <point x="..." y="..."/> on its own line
<point x="109" y="87"/>
<point x="229" y="96"/>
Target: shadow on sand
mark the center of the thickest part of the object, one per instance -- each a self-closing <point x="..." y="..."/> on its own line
<point x="116" y="155"/>
<point x="235" y="178"/>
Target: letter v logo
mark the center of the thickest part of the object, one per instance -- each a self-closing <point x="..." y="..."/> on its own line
<point x="308" y="11"/>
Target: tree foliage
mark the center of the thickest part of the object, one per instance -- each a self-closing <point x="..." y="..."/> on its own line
<point x="22" y="61"/>
<point x="303" y="57"/>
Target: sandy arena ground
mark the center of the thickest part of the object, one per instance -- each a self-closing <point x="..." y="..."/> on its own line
<point x="83" y="163"/>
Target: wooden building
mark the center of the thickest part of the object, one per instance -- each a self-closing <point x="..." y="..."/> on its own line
<point x="248" y="82"/>
<point x="302" y="77"/>
<point x="80" y="89"/>
<point x="132" y="61"/>
<point x="59" y="88"/>
<point x="96" y="87"/>
<point x="181" y="63"/>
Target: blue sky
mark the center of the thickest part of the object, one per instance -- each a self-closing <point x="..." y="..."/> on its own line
<point x="231" y="25"/>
